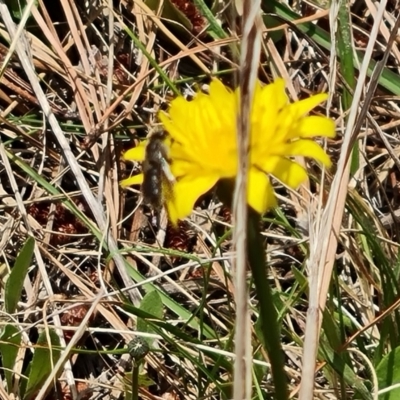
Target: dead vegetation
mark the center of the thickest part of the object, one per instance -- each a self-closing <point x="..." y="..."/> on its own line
<point x="81" y="83"/>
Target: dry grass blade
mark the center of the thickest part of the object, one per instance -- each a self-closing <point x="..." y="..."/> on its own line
<point x="107" y="70"/>
<point x="249" y="61"/>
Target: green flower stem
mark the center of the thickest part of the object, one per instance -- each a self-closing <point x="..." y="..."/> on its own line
<point x="138" y="349"/>
<point x="268" y="315"/>
<point x="135" y="380"/>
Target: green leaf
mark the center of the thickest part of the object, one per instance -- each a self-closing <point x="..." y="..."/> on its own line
<point x="17" y="276"/>
<point x="152" y="304"/>
<point x="10" y="340"/>
<point x="43" y="362"/>
<point x="388" y="373"/>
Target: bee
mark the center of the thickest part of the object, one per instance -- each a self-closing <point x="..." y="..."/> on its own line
<point x="157" y="176"/>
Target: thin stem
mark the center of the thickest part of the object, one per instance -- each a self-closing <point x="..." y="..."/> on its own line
<point x="268" y="315"/>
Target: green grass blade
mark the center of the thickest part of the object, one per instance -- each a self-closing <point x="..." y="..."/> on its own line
<point x="10" y="340"/>
<point x="15" y="282"/>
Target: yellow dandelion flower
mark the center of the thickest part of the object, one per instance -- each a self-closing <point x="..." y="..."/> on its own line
<point x="202" y="144"/>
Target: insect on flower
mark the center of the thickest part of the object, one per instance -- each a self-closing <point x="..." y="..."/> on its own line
<point x="157" y="176"/>
<point x="201" y="146"/>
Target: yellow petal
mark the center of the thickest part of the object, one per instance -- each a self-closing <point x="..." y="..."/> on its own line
<point x="274" y="95"/>
<point x="179" y="108"/>
<point x="182" y="167"/>
<point x="260" y="195"/>
<point x="137" y="153"/>
<point x="133" y="180"/>
<point x="174" y="130"/>
<point x="287" y="171"/>
<point x="176" y="120"/>
<point x="267" y="105"/>
<point x="220" y="91"/>
<point x="185" y="193"/>
<point x="222" y="95"/>
<point x="303" y="107"/>
<point x="308" y="148"/>
<point x="314" y="125"/>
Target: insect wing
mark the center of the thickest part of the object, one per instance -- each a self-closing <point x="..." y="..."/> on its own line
<point x="157" y="176"/>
